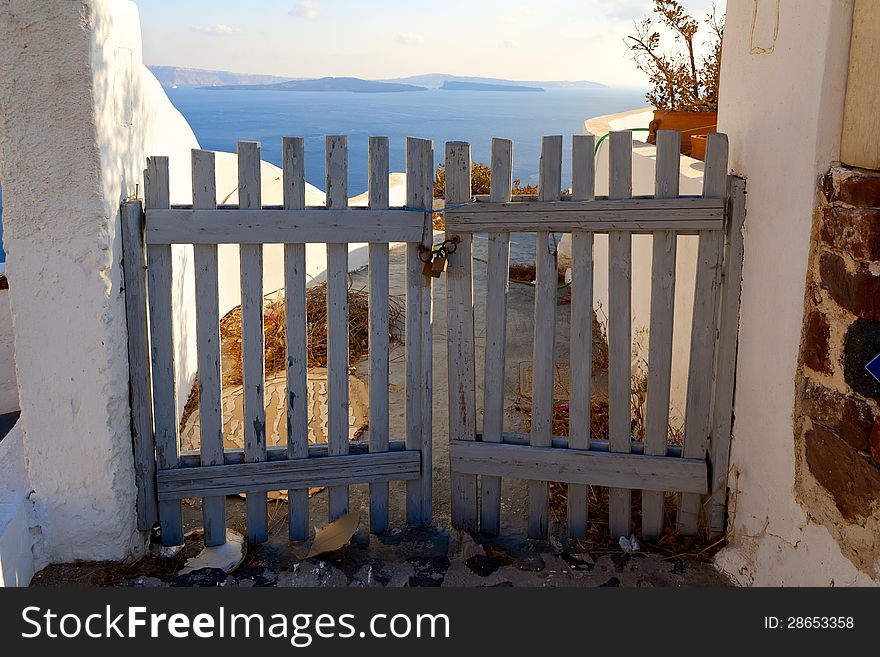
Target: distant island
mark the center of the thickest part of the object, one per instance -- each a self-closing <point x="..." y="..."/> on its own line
<point x="354" y="85"/>
<point x="173" y="76"/>
<point x="437" y="81"/>
<point x="457" y="85"/>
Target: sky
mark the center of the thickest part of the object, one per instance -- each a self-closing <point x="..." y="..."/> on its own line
<point x="375" y="39"/>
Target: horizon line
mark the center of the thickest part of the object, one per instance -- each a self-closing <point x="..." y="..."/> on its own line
<point x="395" y="77"/>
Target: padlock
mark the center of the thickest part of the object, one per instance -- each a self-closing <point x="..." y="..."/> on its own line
<point x="427" y="268"/>
<point x="438" y="265"/>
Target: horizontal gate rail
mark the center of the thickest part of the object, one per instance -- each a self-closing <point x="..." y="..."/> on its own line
<point x="599" y="468"/>
<point x="633" y="215"/>
<point x="280" y="453"/>
<point x="338" y="226"/>
<point x="288" y="474"/>
<point x="565" y="442"/>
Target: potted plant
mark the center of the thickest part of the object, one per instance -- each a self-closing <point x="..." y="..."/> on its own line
<point x="684" y="83"/>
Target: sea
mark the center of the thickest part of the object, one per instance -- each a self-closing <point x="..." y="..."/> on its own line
<point x="221" y="117"/>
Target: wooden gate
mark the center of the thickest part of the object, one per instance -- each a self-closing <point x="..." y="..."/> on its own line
<point x="698" y="469"/>
<point x="165" y="475"/>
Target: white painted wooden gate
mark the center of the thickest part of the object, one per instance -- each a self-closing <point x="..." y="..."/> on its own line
<point x="164" y="474"/>
<point x="698" y="469"/>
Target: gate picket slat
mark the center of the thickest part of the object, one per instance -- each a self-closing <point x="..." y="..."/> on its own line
<point x="165" y="419"/>
<point x="140" y="382"/>
<point x="413" y="382"/>
<point x="620" y="329"/>
<point x="378" y="191"/>
<point x="460" y="342"/>
<point x="581" y="341"/>
<point x="293" y="166"/>
<point x="420" y="195"/>
<point x="252" y="338"/>
<point x="549" y="189"/>
<point x="725" y="366"/>
<point x="427" y="469"/>
<point x="337" y="321"/>
<point x="699" y="387"/>
<point x="204" y="188"/>
<point x="666" y="185"/>
<point x="496" y="332"/>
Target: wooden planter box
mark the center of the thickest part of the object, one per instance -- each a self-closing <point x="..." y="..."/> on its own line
<point x="688" y="123"/>
<point x="698" y="146"/>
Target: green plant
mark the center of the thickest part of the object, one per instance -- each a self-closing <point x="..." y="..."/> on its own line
<point x="481" y="181"/>
<point x="681" y="80"/>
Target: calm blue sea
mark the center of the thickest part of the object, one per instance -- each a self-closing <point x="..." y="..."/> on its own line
<point x="220" y="118"/>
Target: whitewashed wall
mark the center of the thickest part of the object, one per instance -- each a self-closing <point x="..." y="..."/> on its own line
<point x="776" y="78"/>
<point x="8" y="380"/>
<point x="79" y="116"/>
<point x="16" y="558"/>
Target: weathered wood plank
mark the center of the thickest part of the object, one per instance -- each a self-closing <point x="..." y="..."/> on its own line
<point x="420" y="194"/>
<point x="204" y="189"/>
<point x="702" y="357"/>
<point x="554" y="223"/>
<point x="413" y="380"/>
<point x="725" y="366"/>
<point x="378" y="190"/>
<point x="139" y="381"/>
<point x="278" y="453"/>
<point x="496" y="333"/>
<point x="636" y="215"/>
<point x="860" y="116"/>
<point x="333" y="226"/>
<point x="581" y="332"/>
<point x="583" y="467"/>
<point x="337" y="321"/>
<point x="543" y="358"/>
<point x="666" y="185"/>
<point x="596" y="444"/>
<point x="293" y="166"/>
<point x="252" y="339"/>
<point x="460" y="335"/>
<point x="159" y="281"/>
<point x="620" y="329"/>
<point x="620" y="207"/>
<point x="296" y="474"/>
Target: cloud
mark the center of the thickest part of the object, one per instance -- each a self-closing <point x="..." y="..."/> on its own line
<point x="410" y="39"/>
<point x="307" y="9"/>
<point x="625" y="9"/>
<point x="216" y="30"/>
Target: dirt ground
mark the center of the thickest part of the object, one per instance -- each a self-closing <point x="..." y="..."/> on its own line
<point x="437" y="555"/>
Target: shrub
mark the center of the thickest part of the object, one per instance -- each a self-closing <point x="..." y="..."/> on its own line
<point x="481" y="180"/>
<point x="681" y="80"/>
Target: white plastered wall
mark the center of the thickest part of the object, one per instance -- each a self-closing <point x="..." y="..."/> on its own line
<point x="8" y="381"/>
<point x="781" y="104"/>
<point x="77" y="117"/>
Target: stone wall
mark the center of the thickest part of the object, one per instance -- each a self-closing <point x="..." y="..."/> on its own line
<point x="781" y="105"/>
<point x="837" y="415"/>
